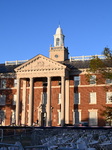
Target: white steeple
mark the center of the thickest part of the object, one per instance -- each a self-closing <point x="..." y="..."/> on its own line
<point x="59" y="52"/>
<point x="59" y="37"/>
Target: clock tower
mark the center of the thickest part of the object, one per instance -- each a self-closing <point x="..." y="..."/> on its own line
<point x="59" y="52"/>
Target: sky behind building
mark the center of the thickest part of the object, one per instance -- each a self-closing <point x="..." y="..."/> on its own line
<point x="27" y="27"/>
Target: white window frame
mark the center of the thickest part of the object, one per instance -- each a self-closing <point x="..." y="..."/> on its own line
<point x="3" y="83"/>
<point x="108" y="81"/>
<point x="93" y="79"/>
<point x="2" y="99"/>
<point x="77" y="97"/>
<point x="92" y="98"/>
<point x="76" y="80"/>
<point x="15" y="82"/>
<point x="108" y="95"/>
<point x="76" y="116"/>
<point x="93" y="117"/>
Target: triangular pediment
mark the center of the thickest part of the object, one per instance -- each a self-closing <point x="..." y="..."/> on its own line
<point x="39" y="62"/>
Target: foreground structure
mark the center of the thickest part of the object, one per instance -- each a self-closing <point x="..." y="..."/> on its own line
<point x="52" y="91"/>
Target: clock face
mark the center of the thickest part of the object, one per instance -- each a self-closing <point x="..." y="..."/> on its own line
<point x="56" y="56"/>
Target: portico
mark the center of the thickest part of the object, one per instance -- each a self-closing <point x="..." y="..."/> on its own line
<point x="40" y="67"/>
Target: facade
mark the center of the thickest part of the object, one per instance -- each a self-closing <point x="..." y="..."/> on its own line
<point x="52" y="91"/>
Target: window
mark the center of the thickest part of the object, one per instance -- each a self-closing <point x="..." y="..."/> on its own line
<point x="57" y="41"/>
<point x="14" y="99"/>
<point x="59" y="117"/>
<point x="2" y="99"/>
<point x="3" y="83"/>
<point x="109" y="97"/>
<point x="93" y="98"/>
<point x="92" y="79"/>
<point x="44" y="98"/>
<point x="76" y="116"/>
<point x="13" y="117"/>
<point x="93" y="117"/>
<point x="77" y="80"/>
<point x="108" y="81"/>
<point x="15" y="82"/>
<point x="59" y="98"/>
<point x="2" y="117"/>
<point x="76" y="98"/>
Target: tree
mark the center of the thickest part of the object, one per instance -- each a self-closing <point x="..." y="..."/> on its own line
<point x="104" y="68"/>
<point x="107" y="113"/>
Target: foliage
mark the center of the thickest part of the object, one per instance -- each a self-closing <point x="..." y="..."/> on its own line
<point x="107" y="113"/>
<point x="107" y="53"/>
<point x="101" y="66"/>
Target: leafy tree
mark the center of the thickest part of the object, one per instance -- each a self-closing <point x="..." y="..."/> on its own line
<point x="104" y="68"/>
<point x="107" y="113"/>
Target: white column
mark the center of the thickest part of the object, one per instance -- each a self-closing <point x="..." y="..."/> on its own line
<point x="31" y="103"/>
<point x="48" y="123"/>
<point x="62" y="101"/>
<point x="17" y="102"/>
<point x="67" y="102"/>
<point x="24" y="103"/>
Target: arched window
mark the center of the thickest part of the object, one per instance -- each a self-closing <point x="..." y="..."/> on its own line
<point x="57" y="41"/>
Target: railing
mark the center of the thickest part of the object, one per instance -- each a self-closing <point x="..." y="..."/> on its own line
<point x="83" y="58"/>
<point x="17" y="62"/>
<point x="53" y="48"/>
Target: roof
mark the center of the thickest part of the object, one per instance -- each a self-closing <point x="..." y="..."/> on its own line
<point x="7" y="68"/>
<point x="76" y="64"/>
<point x="70" y="64"/>
<point x="59" y="30"/>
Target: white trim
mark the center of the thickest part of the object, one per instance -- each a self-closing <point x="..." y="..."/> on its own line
<point x="93" y="118"/>
<point x="92" y="98"/>
<point x="108" y="95"/>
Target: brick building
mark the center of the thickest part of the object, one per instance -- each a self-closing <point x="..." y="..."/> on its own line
<point x="52" y="91"/>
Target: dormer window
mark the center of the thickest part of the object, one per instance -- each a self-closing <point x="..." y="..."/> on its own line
<point x="92" y="79"/>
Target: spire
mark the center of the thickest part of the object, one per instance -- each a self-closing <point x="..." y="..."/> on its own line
<point x="59" y="52"/>
<point x="59" y="37"/>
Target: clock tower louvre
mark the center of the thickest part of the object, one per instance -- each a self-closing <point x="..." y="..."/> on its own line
<point x="58" y="52"/>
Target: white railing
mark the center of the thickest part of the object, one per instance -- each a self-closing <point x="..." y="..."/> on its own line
<point x="83" y="58"/>
<point x="17" y="62"/>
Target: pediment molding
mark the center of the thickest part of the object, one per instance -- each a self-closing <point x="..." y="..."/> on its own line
<point x="40" y="63"/>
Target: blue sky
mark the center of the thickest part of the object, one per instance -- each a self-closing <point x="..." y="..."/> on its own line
<point x="27" y="27"/>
